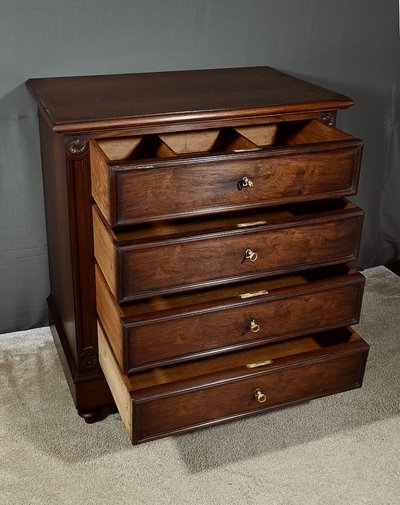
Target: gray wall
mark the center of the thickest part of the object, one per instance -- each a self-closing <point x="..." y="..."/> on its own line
<point x="351" y="46"/>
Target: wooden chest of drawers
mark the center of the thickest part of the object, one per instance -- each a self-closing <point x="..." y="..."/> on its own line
<point x="199" y="244"/>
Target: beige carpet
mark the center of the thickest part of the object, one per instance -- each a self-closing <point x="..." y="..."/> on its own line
<point x="342" y="450"/>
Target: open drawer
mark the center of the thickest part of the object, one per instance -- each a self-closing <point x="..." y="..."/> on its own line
<point x="154" y="177"/>
<point x="177" y="328"/>
<point x="179" y="398"/>
<point x="169" y="257"/>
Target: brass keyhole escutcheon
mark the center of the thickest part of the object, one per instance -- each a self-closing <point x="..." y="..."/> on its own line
<point x="254" y="327"/>
<point x="250" y="255"/>
<point x="260" y="396"/>
<point x="245" y="182"/>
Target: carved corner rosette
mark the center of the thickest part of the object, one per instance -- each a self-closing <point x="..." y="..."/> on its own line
<point x="88" y="359"/>
<point x="329" y="117"/>
<point x="77" y="146"/>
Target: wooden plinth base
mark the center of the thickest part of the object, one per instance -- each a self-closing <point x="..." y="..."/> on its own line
<point x="90" y="391"/>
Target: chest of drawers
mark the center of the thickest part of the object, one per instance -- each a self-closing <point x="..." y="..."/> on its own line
<point x="200" y="244"/>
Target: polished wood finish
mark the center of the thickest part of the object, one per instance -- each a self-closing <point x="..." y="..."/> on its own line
<point x="72" y="312"/>
<point x="287" y="162"/>
<point x="97" y="414"/>
<point x="89" y="390"/>
<point x="59" y="236"/>
<point x="182" y="397"/>
<point x="304" y="237"/>
<point x="73" y="104"/>
<point x="172" y="183"/>
<point x="189" y="327"/>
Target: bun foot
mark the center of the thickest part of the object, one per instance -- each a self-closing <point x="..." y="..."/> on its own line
<point x="96" y="415"/>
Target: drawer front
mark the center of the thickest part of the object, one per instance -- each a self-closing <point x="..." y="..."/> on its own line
<point x="192" y="188"/>
<point x="186" y="336"/>
<point x="183" y="265"/>
<point x="181" y="411"/>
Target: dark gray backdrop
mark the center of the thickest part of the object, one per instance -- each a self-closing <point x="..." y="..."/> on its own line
<point x="351" y="46"/>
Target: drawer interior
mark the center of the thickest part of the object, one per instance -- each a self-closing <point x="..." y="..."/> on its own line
<point x="133" y="148"/>
<point x="234" y="220"/>
<point x="291" y="133"/>
<point x="229" y="139"/>
<point x="248" y="359"/>
<point x="225" y="139"/>
<point x="249" y="290"/>
<point x="168" y="145"/>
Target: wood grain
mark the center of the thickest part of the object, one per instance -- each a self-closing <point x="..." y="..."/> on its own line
<point x="292" y="132"/>
<point x="302" y="161"/>
<point x="118" y="389"/>
<point x="198" y="330"/>
<point x="177" y="398"/>
<point x="105" y="251"/>
<point x="71" y="303"/>
<point x="206" y="406"/>
<point x="101" y="179"/>
<point x="211" y="185"/>
<point x="163" y="155"/>
<point x="74" y="104"/>
<point x="226" y="139"/>
<point x="164" y="265"/>
<point x="56" y="199"/>
<point x="110" y="315"/>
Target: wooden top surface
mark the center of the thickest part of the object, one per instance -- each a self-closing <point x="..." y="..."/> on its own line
<point x="73" y="104"/>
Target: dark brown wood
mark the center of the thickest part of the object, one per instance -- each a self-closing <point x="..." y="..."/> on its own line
<point x="327" y="234"/>
<point x="167" y="191"/>
<point x="218" y="122"/>
<point x="225" y="366"/>
<point x="329" y="117"/>
<point x="74" y="104"/>
<point x="182" y="397"/>
<point x="319" y="300"/>
<point x="70" y="244"/>
<point x="205" y="407"/>
<point x="318" y="162"/>
<point x="169" y="158"/>
<point x="98" y="414"/>
<point x="90" y="390"/>
<point x="81" y="233"/>
<point x="58" y="231"/>
<point x="91" y="416"/>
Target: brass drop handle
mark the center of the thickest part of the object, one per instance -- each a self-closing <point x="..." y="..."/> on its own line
<point x="250" y="255"/>
<point x="245" y="182"/>
<point x="254" y="327"/>
<point x="260" y="396"/>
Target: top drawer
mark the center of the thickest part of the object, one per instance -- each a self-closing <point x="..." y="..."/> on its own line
<point x="154" y="177"/>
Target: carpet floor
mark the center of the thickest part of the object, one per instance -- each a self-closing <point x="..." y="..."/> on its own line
<point x="339" y="450"/>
